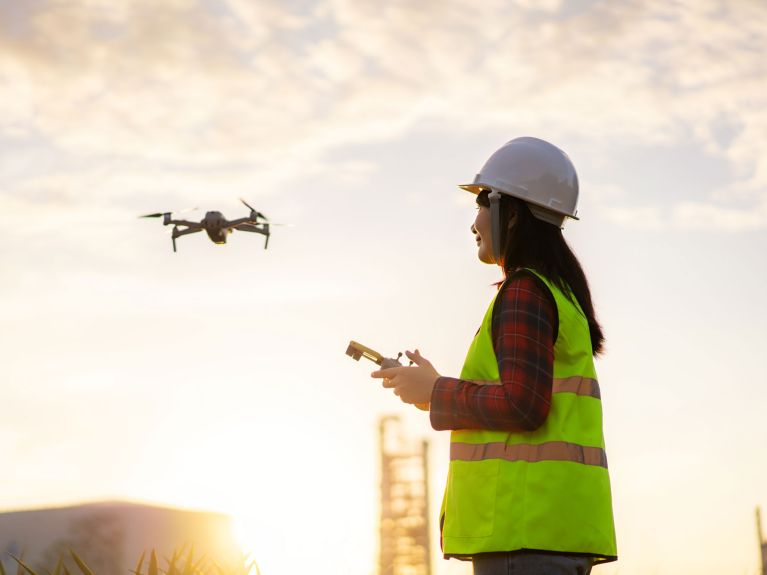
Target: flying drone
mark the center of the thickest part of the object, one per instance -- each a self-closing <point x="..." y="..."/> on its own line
<point x="216" y="225"/>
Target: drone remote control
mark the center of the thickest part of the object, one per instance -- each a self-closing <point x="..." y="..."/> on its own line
<point x="357" y="350"/>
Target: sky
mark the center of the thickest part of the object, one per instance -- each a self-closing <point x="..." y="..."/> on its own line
<point x="215" y="377"/>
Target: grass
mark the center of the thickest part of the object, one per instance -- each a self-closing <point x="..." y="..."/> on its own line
<point x="180" y="563"/>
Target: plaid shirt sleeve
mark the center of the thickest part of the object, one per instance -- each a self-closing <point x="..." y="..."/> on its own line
<point x="524" y="329"/>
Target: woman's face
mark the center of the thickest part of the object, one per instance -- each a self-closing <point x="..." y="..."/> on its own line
<point x="482" y="230"/>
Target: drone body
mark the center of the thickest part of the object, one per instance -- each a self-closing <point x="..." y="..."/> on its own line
<point x="216" y="225"/>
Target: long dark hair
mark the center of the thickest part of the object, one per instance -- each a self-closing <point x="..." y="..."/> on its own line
<point x="533" y="243"/>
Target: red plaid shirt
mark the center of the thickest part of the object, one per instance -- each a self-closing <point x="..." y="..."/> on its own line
<point x="525" y="324"/>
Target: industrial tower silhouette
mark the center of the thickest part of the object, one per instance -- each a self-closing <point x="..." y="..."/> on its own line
<point x="404" y="527"/>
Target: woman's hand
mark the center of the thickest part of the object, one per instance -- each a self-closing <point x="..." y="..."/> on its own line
<point x="413" y="384"/>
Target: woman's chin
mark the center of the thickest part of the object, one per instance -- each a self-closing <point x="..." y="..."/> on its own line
<point x="485" y="257"/>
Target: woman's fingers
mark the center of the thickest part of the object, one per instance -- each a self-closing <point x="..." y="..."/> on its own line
<point x="389" y="372"/>
<point x="387" y="375"/>
<point x="417" y="358"/>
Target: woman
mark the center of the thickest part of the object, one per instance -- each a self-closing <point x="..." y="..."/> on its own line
<point x="528" y="490"/>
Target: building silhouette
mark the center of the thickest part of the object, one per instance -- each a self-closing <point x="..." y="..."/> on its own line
<point x="111" y="536"/>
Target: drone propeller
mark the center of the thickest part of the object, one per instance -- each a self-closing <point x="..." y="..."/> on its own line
<point x="161" y="214"/>
<point x="252" y="209"/>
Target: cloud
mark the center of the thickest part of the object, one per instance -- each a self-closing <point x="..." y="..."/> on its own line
<point x="643" y="218"/>
<point x="699" y="215"/>
<point x="685" y="215"/>
<point x="230" y="84"/>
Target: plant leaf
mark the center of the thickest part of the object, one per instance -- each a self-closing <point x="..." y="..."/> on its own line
<point x="23" y="566"/>
<point x="189" y="562"/>
<point x="153" y="564"/>
<point x="19" y="568"/>
<point x="80" y="563"/>
<point x="140" y="563"/>
<point x="197" y="568"/>
<point x="172" y="570"/>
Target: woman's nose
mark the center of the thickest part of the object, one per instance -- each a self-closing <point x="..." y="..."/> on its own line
<point x="473" y="229"/>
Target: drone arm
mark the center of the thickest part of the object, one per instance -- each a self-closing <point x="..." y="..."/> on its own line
<point x="196" y="226"/>
<point x="256" y="229"/>
<point x="241" y="221"/>
<point x="252" y="228"/>
<point x="177" y="233"/>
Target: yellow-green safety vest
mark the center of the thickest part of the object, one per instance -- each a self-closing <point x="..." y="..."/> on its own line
<point x="548" y="489"/>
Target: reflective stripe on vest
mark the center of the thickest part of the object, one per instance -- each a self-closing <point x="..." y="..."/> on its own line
<point x="550" y="451"/>
<point x="575" y="384"/>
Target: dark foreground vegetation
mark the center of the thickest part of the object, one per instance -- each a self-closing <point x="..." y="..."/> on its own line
<point x="180" y="563"/>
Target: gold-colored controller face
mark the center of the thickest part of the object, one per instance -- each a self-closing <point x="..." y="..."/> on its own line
<point x="357" y="350"/>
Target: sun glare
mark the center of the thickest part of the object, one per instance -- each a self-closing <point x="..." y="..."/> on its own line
<point x="244" y="532"/>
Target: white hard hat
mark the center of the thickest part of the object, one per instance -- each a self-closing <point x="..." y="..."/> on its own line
<point x="535" y="171"/>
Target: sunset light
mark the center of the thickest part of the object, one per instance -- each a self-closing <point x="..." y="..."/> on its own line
<point x="214" y="379"/>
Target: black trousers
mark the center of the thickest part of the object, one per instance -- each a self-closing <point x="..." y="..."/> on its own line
<point x="530" y="564"/>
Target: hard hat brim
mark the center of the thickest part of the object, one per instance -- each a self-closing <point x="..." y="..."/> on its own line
<point x="473" y="188"/>
<point x="476" y="189"/>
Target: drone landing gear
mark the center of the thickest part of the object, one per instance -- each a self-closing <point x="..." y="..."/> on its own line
<point x="259" y="228"/>
<point x="177" y="233"/>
